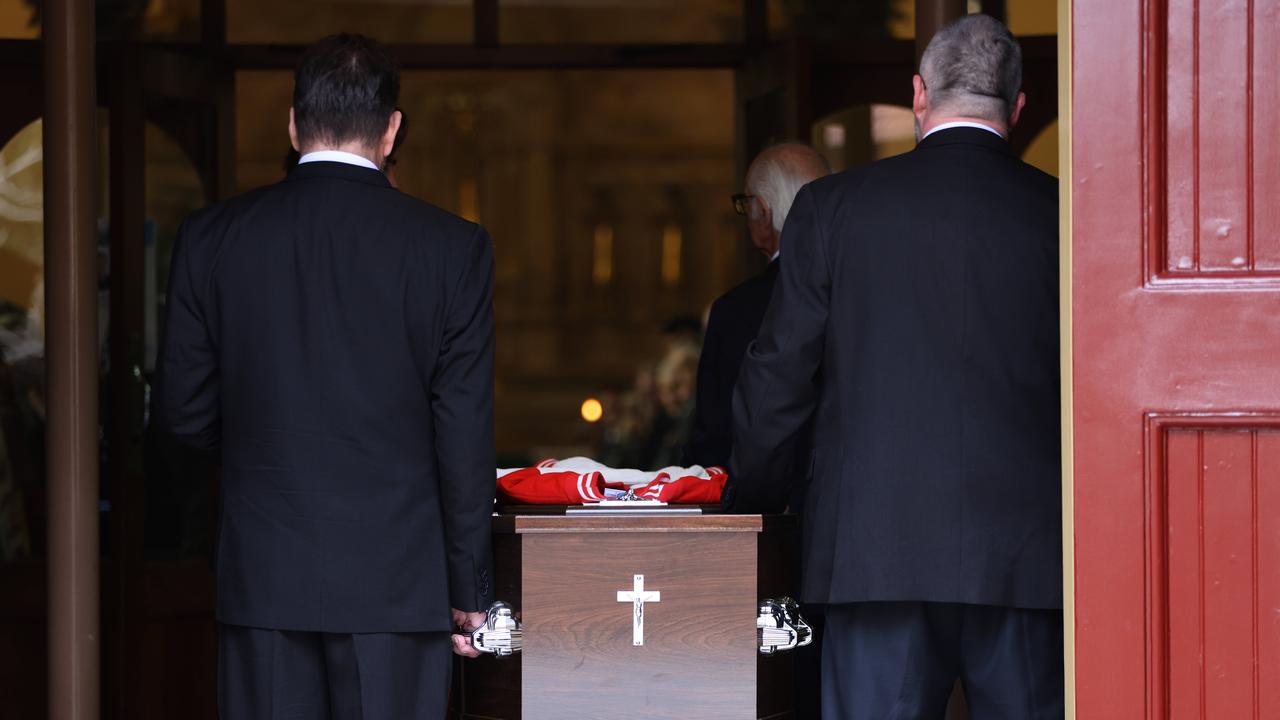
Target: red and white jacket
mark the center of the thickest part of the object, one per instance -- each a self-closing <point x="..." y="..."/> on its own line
<point x="581" y="480"/>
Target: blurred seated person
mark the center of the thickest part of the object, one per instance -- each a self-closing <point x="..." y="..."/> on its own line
<point x="674" y="380"/>
<point x="646" y="427"/>
<point x="628" y="415"/>
<point x="772" y="181"/>
<point x="681" y="330"/>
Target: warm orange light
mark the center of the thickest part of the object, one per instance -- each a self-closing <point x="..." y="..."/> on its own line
<point x="592" y="410"/>
<point x="602" y="259"/>
<point x="672" y="237"/>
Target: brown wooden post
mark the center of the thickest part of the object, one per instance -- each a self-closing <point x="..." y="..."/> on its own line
<point x="755" y="23"/>
<point x="213" y="23"/>
<point x="71" y="297"/>
<point x="122" y="579"/>
<point x="931" y="16"/>
<point x="485" y="26"/>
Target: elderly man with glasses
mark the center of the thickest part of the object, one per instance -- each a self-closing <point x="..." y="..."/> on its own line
<point x="772" y="181"/>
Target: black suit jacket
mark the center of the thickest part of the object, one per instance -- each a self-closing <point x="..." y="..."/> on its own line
<point x="732" y="324"/>
<point x="916" y="320"/>
<point x="332" y="339"/>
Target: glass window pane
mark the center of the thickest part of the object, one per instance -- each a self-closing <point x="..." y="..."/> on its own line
<point x="391" y="21"/>
<point x="863" y="133"/>
<point x="179" y="509"/>
<point x="620" y="21"/>
<point x="1043" y="151"/>
<point x="1032" y="17"/>
<point x="166" y="20"/>
<point x="22" y="345"/>
<point x="18" y="20"/>
<point x="22" y="340"/>
<point x="607" y="197"/>
<point x="839" y="22"/>
<point x="780" y="20"/>
<point x="172" y="20"/>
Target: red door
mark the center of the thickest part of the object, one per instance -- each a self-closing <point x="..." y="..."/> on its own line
<point x="1175" y="358"/>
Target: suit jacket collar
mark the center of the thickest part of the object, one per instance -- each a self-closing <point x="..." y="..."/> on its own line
<point x="341" y="171"/>
<point x="967" y="136"/>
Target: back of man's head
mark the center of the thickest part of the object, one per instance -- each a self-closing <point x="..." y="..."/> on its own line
<point x="778" y="173"/>
<point x="344" y="92"/>
<point x="973" y="68"/>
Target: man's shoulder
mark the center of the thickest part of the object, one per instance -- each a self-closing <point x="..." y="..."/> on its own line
<point x="430" y="216"/>
<point x="846" y="182"/>
<point x="906" y="168"/>
<point x="401" y="209"/>
<point x="753" y="292"/>
<point x="212" y="220"/>
<point x="1038" y="179"/>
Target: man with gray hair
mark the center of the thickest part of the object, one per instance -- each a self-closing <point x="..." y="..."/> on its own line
<point x="772" y="181"/>
<point x="915" y="327"/>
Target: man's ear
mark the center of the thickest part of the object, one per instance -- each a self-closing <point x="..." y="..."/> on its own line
<point x="389" y="137"/>
<point x="766" y="212"/>
<point x="1017" y="109"/>
<point x="919" y="96"/>
<point x="293" y="133"/>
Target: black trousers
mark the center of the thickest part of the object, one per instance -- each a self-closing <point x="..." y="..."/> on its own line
<point x="289" y="675"/>
<point x="900" y="661"/>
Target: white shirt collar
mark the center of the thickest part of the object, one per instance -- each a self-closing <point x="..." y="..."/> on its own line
<point x="337" y="156"/>
<point x="776" y="253"/>
<point x="962" y="123"/>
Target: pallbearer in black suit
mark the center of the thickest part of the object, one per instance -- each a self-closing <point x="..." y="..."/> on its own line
<point x="331" y="339"/>
<point x="771" y="184"/>
<point x="916" y="320"/>
<point x="773" y="179"/>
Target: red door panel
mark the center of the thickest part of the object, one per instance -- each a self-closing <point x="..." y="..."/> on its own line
<point x="1175" y="282"/>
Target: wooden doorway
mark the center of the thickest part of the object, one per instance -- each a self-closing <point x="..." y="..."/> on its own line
<point x="1173" y="412"/>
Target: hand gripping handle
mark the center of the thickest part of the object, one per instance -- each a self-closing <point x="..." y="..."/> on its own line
<point x="501" y="634"/>
<point x="779" y="626"/>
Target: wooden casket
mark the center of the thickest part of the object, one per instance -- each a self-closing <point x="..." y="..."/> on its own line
<point x="635" y="614"/>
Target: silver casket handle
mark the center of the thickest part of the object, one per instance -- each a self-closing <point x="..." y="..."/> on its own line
<point x="779" y="626"/>
<point x="501" y="634"/>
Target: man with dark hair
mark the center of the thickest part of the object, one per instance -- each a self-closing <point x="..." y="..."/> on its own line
<point x="915" y="322"/>
<point x="292" y="156"/>
<point x="330" y="339"/>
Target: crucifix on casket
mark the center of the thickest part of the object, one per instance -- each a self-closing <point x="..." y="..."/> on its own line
<point x="635" y="614"/>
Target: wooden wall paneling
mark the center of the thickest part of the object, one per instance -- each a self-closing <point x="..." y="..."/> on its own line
<point x="1177" y="605"/>
<point x="1226" y="540"/>
<point x="1264" y="111"/>
<point x="1214" y="213"/>
<point x="1266" y="518"/>
<point x="1180" y="231"/>
<point x="1220" y="113"/>
<point x="1172" y="617"/>
<point x="1213" y="544"/>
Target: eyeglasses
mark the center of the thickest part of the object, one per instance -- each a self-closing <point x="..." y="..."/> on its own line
<point x="740" y="202"/>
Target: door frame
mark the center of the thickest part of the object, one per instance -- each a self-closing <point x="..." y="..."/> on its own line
<point x="1065" y="61"/>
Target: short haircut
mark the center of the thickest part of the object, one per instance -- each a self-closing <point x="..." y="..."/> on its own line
<point x="344" y="91"/>
<point x="973" y="68"/>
